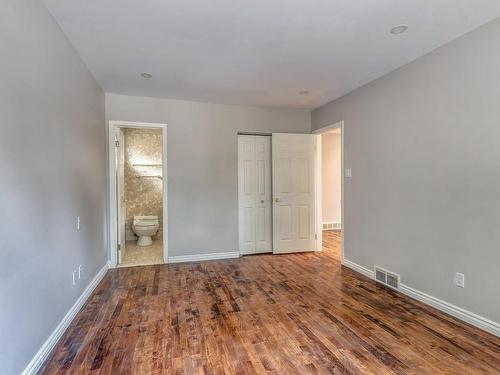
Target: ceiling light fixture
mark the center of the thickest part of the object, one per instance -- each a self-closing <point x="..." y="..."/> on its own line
<point x="400" y="29"/>
<point x="303" y="92"/>
<point x="146" y="75"/>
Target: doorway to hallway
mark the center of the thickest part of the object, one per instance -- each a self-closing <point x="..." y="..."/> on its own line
<point x="330" y="171"/>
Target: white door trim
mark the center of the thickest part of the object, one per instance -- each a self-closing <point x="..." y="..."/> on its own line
<point x="112" y="243"/>
<point x="323" y="130"/>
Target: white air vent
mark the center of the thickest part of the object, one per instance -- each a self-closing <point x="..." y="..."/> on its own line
<point x="331" y="225"/>
<point x="380" y="275"/>
<point x="388" y="278"/>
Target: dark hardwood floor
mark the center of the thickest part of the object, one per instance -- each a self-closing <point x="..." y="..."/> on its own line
<point x="265" y="314"/>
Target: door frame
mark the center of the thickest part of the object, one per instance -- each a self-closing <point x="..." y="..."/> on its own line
<point x="112" y="207"/>
<point x="319" y="217"/>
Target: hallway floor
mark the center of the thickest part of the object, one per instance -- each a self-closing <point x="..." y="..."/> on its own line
<point x="264" y="314"/>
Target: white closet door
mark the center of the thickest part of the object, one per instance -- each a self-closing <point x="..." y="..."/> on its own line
<point x="294" y="192"/>
<point x="263" y="211"/>
<point x="246" y="193"/>
<point x="254" y="194"/>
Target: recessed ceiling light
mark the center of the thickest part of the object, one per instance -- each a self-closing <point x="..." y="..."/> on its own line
<point x="399" y="29"/>
<point x="146" y="75"/>
<point x="303" y="92"/>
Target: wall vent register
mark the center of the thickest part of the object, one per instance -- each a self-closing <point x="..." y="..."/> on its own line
<point x="387" y="278"/>
<point x="331" y="226"/>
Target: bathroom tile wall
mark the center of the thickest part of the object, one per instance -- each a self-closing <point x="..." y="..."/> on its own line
<point x="143" y="195"/>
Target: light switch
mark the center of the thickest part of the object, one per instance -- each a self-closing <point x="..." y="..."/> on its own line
<point x="348" y="172"/>
<point x="460" y="280"/>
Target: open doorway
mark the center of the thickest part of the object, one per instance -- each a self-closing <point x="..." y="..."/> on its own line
<point x="138" y="212"/>
<point x="330" y="190"/>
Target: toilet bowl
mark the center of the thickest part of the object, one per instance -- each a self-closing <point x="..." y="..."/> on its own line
<point x="145" y="227"/>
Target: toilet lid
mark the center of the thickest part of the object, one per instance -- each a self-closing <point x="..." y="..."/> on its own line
<point x="145" y="224"/>
<point x="145" y="220"/>
<point x="145" y="217"/>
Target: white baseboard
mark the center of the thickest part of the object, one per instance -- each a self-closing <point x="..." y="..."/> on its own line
<point x="37" y="362"/>
<point x="455" y="311"/>
<point x="356" y="267"/>
<point x="201" y="257"/>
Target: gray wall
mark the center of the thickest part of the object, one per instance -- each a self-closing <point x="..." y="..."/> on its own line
<point x="52" y="159"/>
<point x="424" y="146"/>
<point x="202" y="163"/>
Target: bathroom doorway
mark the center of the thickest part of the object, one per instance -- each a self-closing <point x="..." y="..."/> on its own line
<point x="138" y="194"/>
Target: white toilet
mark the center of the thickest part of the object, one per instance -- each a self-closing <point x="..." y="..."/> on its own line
<point x="145" y="227"/>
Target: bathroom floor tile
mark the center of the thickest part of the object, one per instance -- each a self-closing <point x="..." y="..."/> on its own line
<point x="142" y="255"/>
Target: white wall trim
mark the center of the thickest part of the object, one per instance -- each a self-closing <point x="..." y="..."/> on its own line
<point x="360" y="269"/>
<point x="202" y="257"/>
<point x="455" y="311"/>
<point x="43" y="354"/>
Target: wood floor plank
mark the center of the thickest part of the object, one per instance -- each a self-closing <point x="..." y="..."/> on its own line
<point x="265" y="314"/>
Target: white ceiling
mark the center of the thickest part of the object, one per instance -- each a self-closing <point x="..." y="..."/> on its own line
<point x="257" y="52"/>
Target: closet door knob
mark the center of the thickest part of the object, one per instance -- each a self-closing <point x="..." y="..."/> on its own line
<point x="262" y="201"/>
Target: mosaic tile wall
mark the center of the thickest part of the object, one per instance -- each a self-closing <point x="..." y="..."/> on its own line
<point x="143" y="157"/>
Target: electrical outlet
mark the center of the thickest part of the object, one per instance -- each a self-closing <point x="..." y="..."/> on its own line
<point x="348" y="172"/>
<point x="79" y="272"/>
<point x="74" y="277"/>
<point x="460" y="280"/>
<point x="78" y="222"/>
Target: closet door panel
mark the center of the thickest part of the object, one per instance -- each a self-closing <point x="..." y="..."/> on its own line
<point x="246" y="194"/>
<point x="263" y="195"/>
<point x="254" y="194"/>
